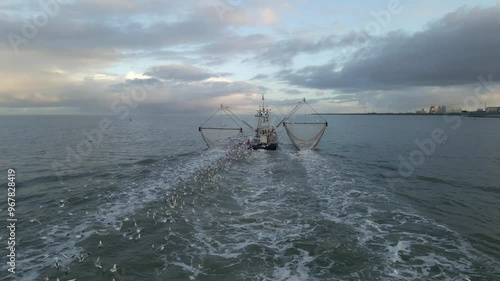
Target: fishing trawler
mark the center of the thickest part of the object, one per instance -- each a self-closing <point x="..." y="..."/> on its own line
<point x="226" y="129"/>
<point x="265" y="137"/>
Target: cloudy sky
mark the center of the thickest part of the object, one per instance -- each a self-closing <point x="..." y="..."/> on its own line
<point x="165" y="56"/>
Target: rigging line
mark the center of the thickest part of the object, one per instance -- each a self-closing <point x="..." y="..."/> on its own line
<point x="291" y="112"/>
<point x="316" y="112"/>
<point x="308" y="123"/>
<point x="239" y="118"/>
<point x="288" y="116"/>
<point x="305" y="114"/>
<point x="229" y="115"/>
<point x="279" y="115"/>
<point x="220" y="128"/>
<point x="211" y="116"/>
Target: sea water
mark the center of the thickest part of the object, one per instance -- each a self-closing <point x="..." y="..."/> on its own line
<point x="381" y="198"/>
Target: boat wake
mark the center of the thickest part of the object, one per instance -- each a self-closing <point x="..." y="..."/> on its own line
<point x="70" y="229"/>
<point x="240" y="214"/>
<point x="399" y="244"/>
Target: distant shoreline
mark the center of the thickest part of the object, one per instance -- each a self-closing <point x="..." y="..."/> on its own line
<point x="468" y="114"/>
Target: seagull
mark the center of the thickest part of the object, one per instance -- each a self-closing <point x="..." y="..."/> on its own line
<point x="100" y="244"/>
<point x="80" y="257"/>
<point x="163" y="220"/>
<point x="97" y="263"/>
<point x="63" y="203"/>
<point x="113" y="269"/>
<point x="79" y="235"/>
<point x="120" y="226"/>
<point x="161" y="248"/>
<point x="57" y="262"/>
<point x="35" y="220"/>
<point x="138" y="237"/>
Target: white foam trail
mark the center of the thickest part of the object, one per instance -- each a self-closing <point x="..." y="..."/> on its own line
<point x="261" y="231"/>
<point x="113" y="208"/>
<point x="349" y="204"/>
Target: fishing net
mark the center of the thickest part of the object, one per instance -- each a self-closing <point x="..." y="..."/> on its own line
<point x="305" y="136"/>
<point x="222" y="129"/>
<point x="303" y="127"/>
<point x="221" y="137"/>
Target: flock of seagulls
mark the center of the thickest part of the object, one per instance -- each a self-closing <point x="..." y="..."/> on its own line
<point x="174" y="205"/>
<point x="80" y="258"/>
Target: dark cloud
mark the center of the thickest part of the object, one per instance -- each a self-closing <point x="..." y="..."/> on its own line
<point x="125" y="25"/>
<point x="454" y="50"/>
<point x="292" y="91"/>
<point x="237" y="44"/>
<point x="80" y="59"/>
<point x="130" y="83"/>
<point x="223" y="74"/>
<point x="343" y="98"/>
<point x="210" y="89"/>
<point x="62" y="33"/>
<point x="282" y="52"/>
<point x="169" y="88"/>
<point x="176" y="72"/>
<point x="260" y="76"/>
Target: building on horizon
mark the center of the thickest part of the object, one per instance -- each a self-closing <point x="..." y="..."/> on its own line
<point x="442" y="109"/>
<point x="453" y="108"/>
<point x="434" y="109"/>
<point x="493" y="109"/>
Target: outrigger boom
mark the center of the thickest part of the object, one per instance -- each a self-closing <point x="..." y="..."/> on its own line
<point x="303" y="134"/>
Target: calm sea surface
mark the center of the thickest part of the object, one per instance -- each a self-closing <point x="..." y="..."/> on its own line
<point x="368" y="204"/>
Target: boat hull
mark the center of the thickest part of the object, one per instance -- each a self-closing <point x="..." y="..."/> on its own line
<point x="268" y="146"/>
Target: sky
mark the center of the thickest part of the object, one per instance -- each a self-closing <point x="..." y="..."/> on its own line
<point x="172" y="57"/>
